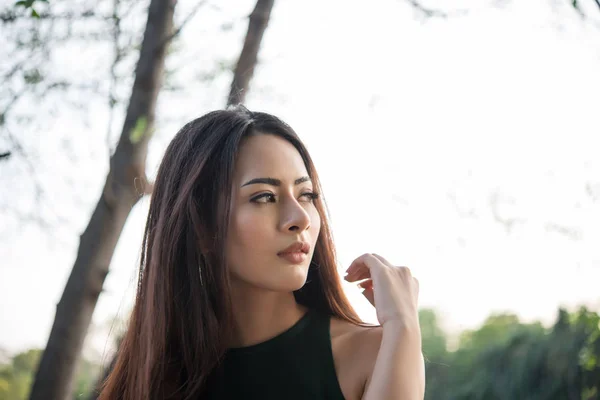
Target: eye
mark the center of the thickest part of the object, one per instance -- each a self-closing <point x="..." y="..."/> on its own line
<point x="311" y="196"/>
<point x="264" y="198"/>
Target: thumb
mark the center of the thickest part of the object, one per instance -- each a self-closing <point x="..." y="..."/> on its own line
<point x="368" y="293"/>
<point x="368" y="290"/>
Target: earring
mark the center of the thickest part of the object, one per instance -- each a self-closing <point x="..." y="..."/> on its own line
<point x="200" y="268"/>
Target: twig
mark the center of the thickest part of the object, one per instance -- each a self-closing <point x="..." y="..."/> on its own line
<point x="16" y="68"/>
<point x="11" y="16"/>
<point x="11" y="103"/>
<point x="177" y="31"/>
<point x="113" y="75"/>
<point x="427" y="12"/>
<point x="39" y="193"/>
<point x="507" y="222"/>
<point x="430" y="12"/>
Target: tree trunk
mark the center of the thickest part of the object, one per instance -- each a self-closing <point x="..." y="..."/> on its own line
<point x="259" y="19"/>
<point x="53" y="380"/>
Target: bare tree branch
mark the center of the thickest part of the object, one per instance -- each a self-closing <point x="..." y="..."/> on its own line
<point x="571" y="233"/>
<point x="97" y="243"/>
<point x="14" y="98"/>
<point x="31" y="49"/>
<point x="427" y="12"/>
<point x="259" y="19"/>
<point x="39" y="192"/>
<point x="116" y="31"/>
<point x="10" y="16"/>
<point x="593" y="191"/>
<point x="187" y="19"/>
<point x="507" y="222"/>
<point x="463" y="213"/>
<point x="15" y="68"/>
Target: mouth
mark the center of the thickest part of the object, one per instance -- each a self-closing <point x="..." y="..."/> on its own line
<point x="297" y="253"/>
<point x="296" y="257"/>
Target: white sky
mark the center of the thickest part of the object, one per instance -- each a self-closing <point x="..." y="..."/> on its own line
<point x="423" y="134"/>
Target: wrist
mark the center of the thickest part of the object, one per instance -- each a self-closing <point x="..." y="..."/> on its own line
<point x="402" y="326"/>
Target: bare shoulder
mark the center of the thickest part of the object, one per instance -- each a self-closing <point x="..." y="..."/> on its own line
<point x="355" y="350"/>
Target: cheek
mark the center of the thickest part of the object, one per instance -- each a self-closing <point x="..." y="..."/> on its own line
<point x="248" y="233"/>
<point x="251" y="228"/>
<point x="315" y="223"/>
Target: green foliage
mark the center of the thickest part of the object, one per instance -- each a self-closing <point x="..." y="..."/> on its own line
<point x="32" y="76"/>
<point x="502" y="360"/>
<point x="86" y="378"/>
<point x="506" y="359"/>
<point x="138" y="132"/>
<point x="28" y="5"/>
<point x="433" y="337"/>
<point x="27" y="361"/>
<point x="17" y="377"/>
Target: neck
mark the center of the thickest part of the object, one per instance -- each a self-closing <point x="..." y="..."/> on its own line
<point x="259" y="314"/>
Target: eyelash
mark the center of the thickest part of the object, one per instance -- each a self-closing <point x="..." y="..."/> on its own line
<point x="311" y="195"/>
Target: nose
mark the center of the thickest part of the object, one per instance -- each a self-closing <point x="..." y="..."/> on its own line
<point x="294" y="218"/>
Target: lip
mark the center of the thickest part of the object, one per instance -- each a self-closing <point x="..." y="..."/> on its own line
<point x="296" y="257"/>
<point x="296" y="247"/>
<point x="296" y="253"/>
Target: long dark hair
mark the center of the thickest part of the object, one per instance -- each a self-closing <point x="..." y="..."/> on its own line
<point x="181" y="320"/>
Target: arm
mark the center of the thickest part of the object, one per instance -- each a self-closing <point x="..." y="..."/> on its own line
<point x="399" y="371"/>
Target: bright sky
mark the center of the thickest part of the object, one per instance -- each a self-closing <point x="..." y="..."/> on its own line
<point x="426" y="136"/>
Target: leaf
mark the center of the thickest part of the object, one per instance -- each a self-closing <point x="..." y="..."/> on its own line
<point x="32" y="76"/>
<point x="25" y="3"/>
<point x="137" y="133"/>
<point x="34" y="13"/>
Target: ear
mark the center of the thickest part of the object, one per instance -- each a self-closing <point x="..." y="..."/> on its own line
<point x="205" y="248"/>
<point x="206" y="245"/>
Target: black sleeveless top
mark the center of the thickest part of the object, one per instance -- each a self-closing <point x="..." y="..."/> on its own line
<point x="297" y="364"/>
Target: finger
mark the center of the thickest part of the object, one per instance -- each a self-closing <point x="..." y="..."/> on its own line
<point x="366" y="284"/>
<point x="357" y="270"/>
<point x="359" y="275"/>
<point x="357" y="265"/>
<point x="360" y="267"/>
<point x="370" y="295"/>
<point x="383" y="260"/>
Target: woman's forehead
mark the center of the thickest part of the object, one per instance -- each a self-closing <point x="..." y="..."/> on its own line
<point x="266" y="155"/>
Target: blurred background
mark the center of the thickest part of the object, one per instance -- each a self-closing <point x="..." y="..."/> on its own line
<point x="460" y="138"/>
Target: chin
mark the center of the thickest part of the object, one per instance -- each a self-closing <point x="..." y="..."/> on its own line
<point x="291" y="280"/>
<point x="282" y="278"/>
<point x="296" y="278"/>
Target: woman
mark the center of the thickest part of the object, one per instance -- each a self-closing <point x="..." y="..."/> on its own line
<point x="238" y="294"/>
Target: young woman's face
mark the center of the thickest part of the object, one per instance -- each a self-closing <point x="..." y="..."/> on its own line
<point x="272" y="208"/>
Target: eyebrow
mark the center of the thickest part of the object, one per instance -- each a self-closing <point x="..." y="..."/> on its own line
<point x="275" y="182"/>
